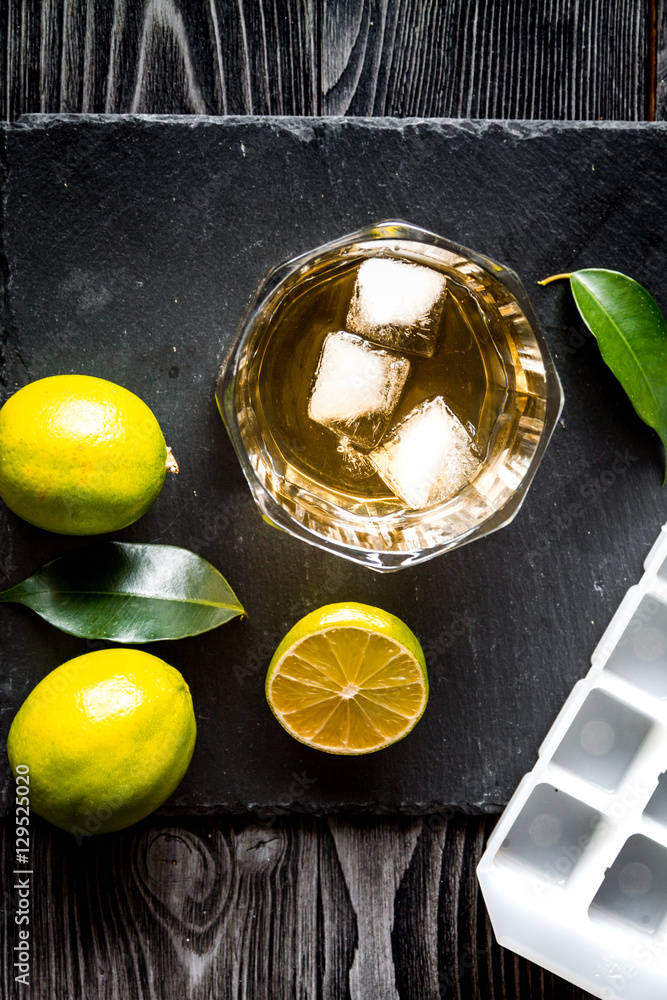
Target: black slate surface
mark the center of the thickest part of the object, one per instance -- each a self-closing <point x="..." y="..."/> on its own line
<point x="132" y="246"/>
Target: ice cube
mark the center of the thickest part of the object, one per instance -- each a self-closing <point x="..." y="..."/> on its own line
<point x="398" y="304"/>
<point x="356" y="389"/>
<point x="427" y="457"/>
<point x="356" y="463"/>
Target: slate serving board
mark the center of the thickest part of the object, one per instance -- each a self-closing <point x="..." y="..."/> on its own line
<point x="132" y="247"/>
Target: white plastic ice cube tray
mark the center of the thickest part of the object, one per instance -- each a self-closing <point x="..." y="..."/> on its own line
<point x="575" y="873"/>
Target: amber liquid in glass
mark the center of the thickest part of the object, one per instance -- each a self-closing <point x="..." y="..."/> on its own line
<point x="466" y="370"/>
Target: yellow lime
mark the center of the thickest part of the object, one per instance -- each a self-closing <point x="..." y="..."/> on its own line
<point x="106" y="737"/>
<point x="80" y="455"/>
<point x="348" y="679"/>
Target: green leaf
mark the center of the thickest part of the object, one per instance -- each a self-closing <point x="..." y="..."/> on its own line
<point x="129" y="593"/>
<point x="632" y="335"/>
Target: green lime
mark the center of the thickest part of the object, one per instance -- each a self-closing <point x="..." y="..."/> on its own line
<point x="348" y="679"/>
<point x="107" y="738"/>
<point x="80" y="455"/>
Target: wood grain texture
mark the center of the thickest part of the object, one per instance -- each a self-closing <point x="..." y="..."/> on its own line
<point x="373" y="859"/>
<point x="659" y="13"/>
<point x="450" y="58"/>
<point x="233" y="909"/>
<point x="481" y="59"/>
<point x="159" y="56"/>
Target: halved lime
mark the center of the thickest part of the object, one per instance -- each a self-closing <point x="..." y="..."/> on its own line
<point x="348" y="679"/>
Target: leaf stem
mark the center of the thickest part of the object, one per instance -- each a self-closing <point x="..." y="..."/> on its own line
<point x="553" y="277"/>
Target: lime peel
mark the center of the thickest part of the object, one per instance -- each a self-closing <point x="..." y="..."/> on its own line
<point x="80" y="455"/>
<point x="107" y="737"/>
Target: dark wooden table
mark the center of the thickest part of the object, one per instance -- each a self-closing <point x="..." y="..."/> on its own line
<point x="231" y="907"/>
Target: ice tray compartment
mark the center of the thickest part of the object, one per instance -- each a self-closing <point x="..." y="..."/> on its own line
<point x="603" y="740"/>
<point x="657" y="805"/>
<point x="634" y="890"/>
<point x="550" y="834"/>
<point x="640" y="656"/>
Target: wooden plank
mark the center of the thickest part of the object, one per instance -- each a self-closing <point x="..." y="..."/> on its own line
<point x="449" y="58"/>
<point x="373" y="858"/>
<point x="173" y="911"/>
<point x="481" y="59"/>
<point x="415" y="953"/>
<point x="338" y="935"/>
<point x="159" y="56"/>
<point x="660" y="55"/>
<point x="295" y="909"/>
<point x="233" y="907"/>
<point x="8" y="897"/>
